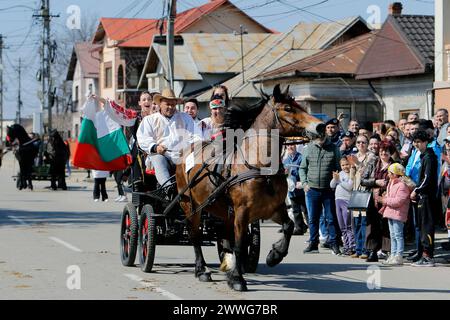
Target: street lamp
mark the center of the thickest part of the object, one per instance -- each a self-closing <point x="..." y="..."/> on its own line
<point x="242" y="31"/>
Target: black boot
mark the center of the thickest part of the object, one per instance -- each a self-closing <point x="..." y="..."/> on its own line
<point x="373" y="257"/>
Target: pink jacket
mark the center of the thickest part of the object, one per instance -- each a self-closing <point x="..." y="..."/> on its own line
<point x="397" y="201"/>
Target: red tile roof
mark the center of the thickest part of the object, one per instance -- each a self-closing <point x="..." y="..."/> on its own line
<point x="404" y="46"/>
<point x="341" y="59"/>
<point x="128" y="32"/>
<point x="138" y="33"/>
<point x="186" y="18"/>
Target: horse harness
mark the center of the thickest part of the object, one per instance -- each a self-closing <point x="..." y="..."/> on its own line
<point x="222" y="182"/>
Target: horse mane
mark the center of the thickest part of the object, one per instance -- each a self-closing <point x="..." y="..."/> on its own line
<point x="239" y="116"/>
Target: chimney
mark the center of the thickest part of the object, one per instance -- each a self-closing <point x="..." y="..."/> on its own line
<point x="395" y="9"/>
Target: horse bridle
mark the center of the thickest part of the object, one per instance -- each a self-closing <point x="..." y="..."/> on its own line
<point x="278" y="120"/>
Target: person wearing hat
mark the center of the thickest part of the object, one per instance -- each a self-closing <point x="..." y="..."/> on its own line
<point x="164" y="134"/>
<point x="212" y="125"/>
<point x="348" y="144"/>
<point x="395" y="208"/>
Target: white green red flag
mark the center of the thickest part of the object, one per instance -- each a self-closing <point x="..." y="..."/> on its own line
<point x="102" y="145"/>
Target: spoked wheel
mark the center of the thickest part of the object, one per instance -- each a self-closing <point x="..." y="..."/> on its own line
<point x="147" y="241"/>
<point x="253" y="245"/>
<point x="128" y="235"/>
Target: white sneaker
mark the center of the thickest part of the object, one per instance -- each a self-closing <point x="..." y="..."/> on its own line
<point x="117" y="199"/>
<point x="123" y="199"/>
<point x="398" y="260"/>
<point x="96" y="200"/>
<point x="106" y="200"/>
<point x="389" y="260"/>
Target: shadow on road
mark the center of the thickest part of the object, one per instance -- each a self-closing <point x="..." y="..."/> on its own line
<point x="48" y="217"/>
<point x="316" y="278"/>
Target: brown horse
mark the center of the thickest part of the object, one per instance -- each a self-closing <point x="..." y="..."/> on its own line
<point x="252" y="191"/>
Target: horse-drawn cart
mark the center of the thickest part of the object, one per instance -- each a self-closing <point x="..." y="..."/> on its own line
<point x="146" y="224"/>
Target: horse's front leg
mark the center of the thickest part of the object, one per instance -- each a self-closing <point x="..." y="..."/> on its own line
<point x="195" y="235"/>
<point x="280" y="248"/>
<point x="235" y="279"/>
<point x="201" y="270"/>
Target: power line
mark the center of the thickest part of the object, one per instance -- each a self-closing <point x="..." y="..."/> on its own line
<point x="16" y="6"/>
<point x="341" y="24"/>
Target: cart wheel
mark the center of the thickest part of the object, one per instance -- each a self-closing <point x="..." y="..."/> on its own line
<point x="147" y="241"/>
<point x="253" y="240"/>
<point x="253" y="243"/>
<point x="128" y="235"/>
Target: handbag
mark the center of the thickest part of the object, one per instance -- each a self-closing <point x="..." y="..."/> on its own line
<point x="359" y="200"/>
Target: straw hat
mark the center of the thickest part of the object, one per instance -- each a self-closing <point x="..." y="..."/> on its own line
<point x="168" y="94"/>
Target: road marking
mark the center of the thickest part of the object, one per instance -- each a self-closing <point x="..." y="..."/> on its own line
<point x="18" y="220"/>
<point x="65" y="244"/>
<point x="161" y="291"/>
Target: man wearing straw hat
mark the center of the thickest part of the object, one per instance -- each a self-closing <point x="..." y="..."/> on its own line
<point x="164" y="134"/>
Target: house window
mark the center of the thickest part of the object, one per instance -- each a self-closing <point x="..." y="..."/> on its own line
<point x="120" y="82"/>
<point x="154" y="82"/>
<point x="133" y="75"/>
<point x="90" y="89"/>
<point x="365" y="112"/>
<point x="108" y="77"/>
<point x="75" y="99"/>
<point x="405" y="113"/>
<point x="76" y="93"/>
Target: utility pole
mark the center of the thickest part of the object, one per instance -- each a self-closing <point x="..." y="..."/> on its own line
<point x="46" y="13"/>
<point x="45" y="60"/>
<point x="19" y="99"/>
<point x="1" y="88"/>
<point x="241" y="33"/>
<point x="170" y="38"/>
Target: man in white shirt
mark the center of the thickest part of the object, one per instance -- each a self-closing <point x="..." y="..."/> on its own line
<point x="191" y="108"/>
<point x="163" y="135"/>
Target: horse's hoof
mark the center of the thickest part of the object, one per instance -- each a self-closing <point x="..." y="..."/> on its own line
<point x="274" y="257"/>
<point x="238" y="285"/>
<point x="205" y="277"/>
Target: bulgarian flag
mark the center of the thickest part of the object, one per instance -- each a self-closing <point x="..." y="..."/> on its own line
<point x="102" y="144"/>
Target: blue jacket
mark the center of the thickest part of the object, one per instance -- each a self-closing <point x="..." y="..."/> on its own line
<point x="413" y="168"/>
<point x="295" y="161"/>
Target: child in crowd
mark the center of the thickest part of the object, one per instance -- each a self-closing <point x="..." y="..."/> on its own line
<point x="100" y="185"/>
<point x="395" y="209"/>
<point x="343" y="184"/>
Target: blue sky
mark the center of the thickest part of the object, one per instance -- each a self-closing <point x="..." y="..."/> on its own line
<point x="22" y="35"/>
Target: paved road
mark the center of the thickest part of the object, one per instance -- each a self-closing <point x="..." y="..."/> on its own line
<point x="48" y="238"/>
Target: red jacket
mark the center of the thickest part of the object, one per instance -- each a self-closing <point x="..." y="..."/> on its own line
<point x="397" y="201"/>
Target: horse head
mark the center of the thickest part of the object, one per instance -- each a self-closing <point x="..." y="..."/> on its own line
<point x="16" y="131"/>
<point x="291" y="118"/>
